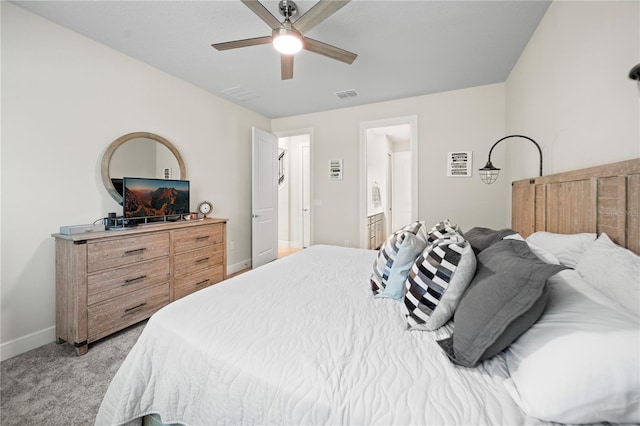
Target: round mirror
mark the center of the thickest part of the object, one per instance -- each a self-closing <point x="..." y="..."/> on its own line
<point x="140" y="154"/>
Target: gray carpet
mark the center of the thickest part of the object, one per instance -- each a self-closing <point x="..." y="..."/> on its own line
<point x="50" y="385"/>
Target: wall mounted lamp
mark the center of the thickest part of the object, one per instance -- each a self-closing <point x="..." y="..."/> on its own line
<point x="634" y="74"/>
<point x="489" y="173"/>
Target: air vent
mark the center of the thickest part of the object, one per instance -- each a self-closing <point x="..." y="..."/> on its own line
<point x="346" y="94"/>
<point x="239" y="93"/>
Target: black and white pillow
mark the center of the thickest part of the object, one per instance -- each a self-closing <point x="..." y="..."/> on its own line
<point x="437" y="281"/>
<point x="417" y="228"/>
<point x="441" y="230"/>
<point x="395" y="258"/>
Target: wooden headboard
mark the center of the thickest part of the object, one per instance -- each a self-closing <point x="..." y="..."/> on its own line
<point x="597" y="199"/>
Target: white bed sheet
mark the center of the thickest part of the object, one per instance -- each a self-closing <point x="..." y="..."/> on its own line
<point x="300" y="341"/>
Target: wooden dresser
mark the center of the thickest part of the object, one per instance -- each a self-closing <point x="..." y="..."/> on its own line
<point x="106" y="281"/>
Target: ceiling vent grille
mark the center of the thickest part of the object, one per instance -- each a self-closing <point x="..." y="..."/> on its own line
<point x="239" y="93"/>
<point x="346" y="94"/>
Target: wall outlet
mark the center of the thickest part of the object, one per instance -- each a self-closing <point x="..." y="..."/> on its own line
<point x="346" y="243"/>
<point x="231" y="245"/>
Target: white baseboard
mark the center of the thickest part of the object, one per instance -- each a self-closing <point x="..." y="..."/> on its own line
<point x="26" y="343"/>
<point x="237" y="267"/>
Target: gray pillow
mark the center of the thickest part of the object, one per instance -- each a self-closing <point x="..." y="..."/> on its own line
<point x="481" y="238"/>
<point x="506" y="297"/>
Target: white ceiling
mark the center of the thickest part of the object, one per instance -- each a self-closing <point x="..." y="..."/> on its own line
<point x="405" y="48"/>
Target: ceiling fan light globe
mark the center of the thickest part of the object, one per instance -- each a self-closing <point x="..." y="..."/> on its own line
<point x="287" y="42"/>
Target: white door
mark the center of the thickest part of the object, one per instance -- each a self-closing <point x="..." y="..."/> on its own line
<point x="306" y="197"/>
<point x="264" y="198"/>
<point x="401" y="189"/>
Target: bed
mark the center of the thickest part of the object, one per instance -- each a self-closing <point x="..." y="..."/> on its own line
<point x="320" y="337"/>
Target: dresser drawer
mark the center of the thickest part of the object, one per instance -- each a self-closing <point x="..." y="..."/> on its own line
<point x="197" y="260"/>
<point x="120" y="312"/>
<point x="125" y="251"/>
<point x="185" y="285"/>
<point x="112" y="283"/>
<point x="198" y="237"/>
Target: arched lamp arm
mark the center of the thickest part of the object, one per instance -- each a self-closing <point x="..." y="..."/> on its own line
<point x="517" y="136"/>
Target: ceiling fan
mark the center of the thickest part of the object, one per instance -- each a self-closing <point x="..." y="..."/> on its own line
<point x="288" y="38"/>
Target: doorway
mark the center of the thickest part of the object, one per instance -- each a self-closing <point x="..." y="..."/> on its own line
<point x="388" y="178"/>
<point x="294" y="191"/>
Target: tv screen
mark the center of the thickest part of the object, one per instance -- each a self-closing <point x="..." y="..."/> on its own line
<point x="155" y="197"/>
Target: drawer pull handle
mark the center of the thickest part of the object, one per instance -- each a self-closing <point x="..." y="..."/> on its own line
<point x="135" y="251"/>
<point x="126" y="311"/>
<point x="133" y="280"/>
<point x="202" y="238"/>
<point x="202" y="282"/>
<point x="204" y="259"/>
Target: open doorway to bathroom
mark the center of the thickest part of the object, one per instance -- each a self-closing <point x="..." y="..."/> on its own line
<point x="294" y="191"/>
<point x="388" y="190"/>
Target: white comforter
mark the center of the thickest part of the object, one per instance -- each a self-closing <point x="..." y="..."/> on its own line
<point x="300" y="341"/>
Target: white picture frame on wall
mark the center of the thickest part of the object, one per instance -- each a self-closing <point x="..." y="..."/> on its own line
<point x="459" y="164"/>
<point x="335" y="169"/>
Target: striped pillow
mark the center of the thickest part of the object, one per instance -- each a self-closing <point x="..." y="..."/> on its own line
<point x="441" y="230"/>
<point x="417" y="228"/>
<point x="395" y="258"/>
<point x="437" y="281"/>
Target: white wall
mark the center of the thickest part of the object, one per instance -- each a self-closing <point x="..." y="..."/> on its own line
<point x="468" y="120"/>
<point x="401" y="189"/>
<point x="570" y="89"/>
<point x="65" y="98"/>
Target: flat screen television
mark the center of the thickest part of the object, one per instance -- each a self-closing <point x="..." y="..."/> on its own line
<point x="154" y="197"/>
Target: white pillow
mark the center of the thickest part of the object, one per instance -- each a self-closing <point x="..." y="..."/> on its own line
<point x="567" y="248"/>
<point x="614" y="271"/>
<point x="542" y="254"/>
<point x="579" y="362"/>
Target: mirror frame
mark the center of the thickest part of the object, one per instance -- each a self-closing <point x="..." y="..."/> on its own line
<point x="106" y="159"/>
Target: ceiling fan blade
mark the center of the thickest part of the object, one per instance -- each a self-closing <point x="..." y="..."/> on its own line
<point x="286" y="67"/>
<point x="242" y="43"/>
<point x="329" y="50"/>
<point x="318" y="13"/>
<point x="262" y="12"/>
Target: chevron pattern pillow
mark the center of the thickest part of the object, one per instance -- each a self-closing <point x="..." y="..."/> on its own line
<point x="437" y="281"/>
<point x="442" y="230"/>
<point x="417" y="228"/>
